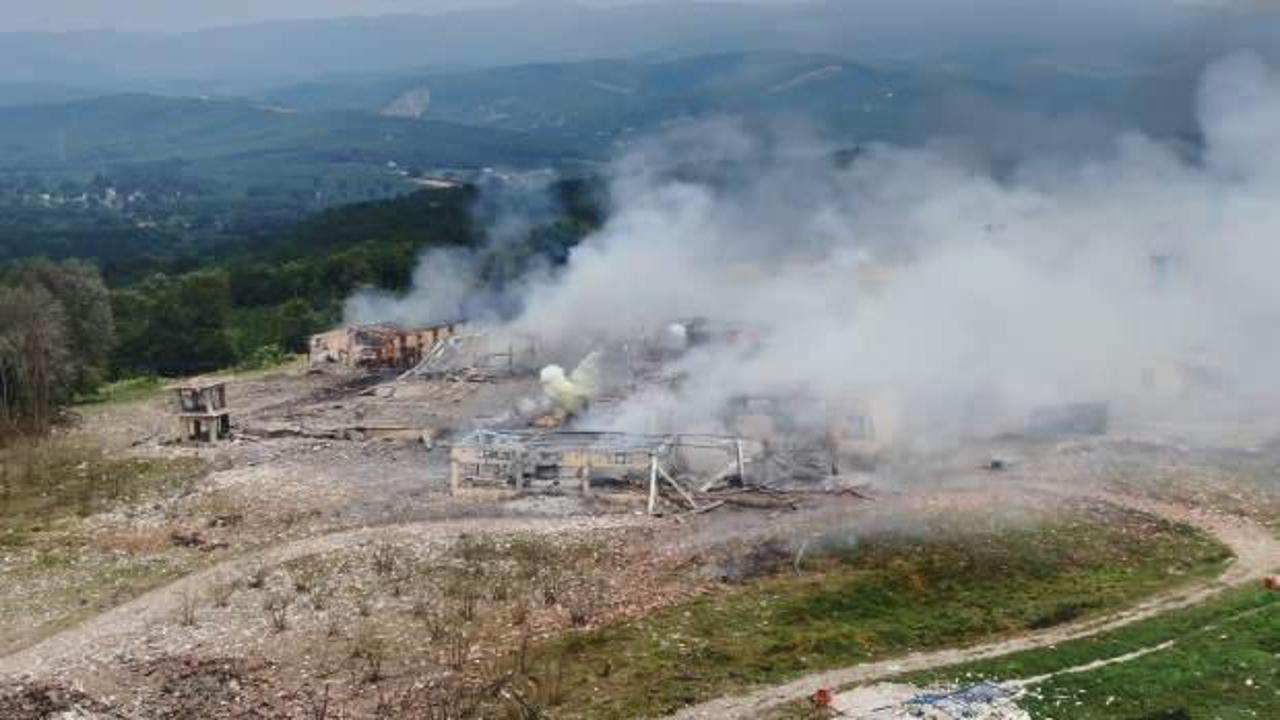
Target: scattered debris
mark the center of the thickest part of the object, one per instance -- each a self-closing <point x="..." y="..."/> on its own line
<point x="194" y="540"/>
<point x="886" y="701"/>
<point x="475" y="357"/>
<point x="822" y="698"/>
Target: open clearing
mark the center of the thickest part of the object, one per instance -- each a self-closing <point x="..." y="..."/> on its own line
<point x="305" y="570"/>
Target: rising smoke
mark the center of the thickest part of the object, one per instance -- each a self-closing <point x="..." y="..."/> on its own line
<point x="919" y="275"/>
<point x="455" y="283"/>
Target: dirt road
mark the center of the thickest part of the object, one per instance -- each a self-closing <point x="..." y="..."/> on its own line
<point x="101" y="638"/>
<point x="1257" y="553"/>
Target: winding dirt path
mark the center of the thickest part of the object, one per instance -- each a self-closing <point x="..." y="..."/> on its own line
<point x="1256" y="550"/>
<point x="101" y="637"/>
<point x="1257" y="553"/>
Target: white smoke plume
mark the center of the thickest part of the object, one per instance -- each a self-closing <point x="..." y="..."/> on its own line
<point x="447" y="284"/>
<point x="443" y="282"/>
<point x="918" y="273"/>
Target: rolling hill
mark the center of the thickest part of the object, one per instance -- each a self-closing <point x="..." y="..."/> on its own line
<point x="143" y="128"/>
<point x="601" y="101"/>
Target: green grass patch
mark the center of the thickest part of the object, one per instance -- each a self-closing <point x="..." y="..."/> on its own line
<point x="1225" y="663"/>
<point x="124" y="391"/>
<point x="55" y="574"/>
<point x="947" y="583"/>
<point x="47" y="480"/>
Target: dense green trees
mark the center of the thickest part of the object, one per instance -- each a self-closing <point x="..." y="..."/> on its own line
<point x="174" y="325"/>
<point x="56" y="330"/>
<point x="77" y="288"/>
<point x="252" y="298"/>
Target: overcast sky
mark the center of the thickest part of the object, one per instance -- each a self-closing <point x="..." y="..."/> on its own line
<point x="193" y="14"/>
<point x="177" y="15"/>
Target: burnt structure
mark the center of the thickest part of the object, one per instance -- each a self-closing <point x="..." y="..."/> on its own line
<point x="535" y="461"/>
<point x="201" y="410"/>
<point x="379" y="347"/>
<point x="804" y="437"/>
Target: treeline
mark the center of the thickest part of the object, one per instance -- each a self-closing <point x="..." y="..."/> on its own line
<point x="267" y="296"/>
<point x="63" y="332"/>
<point x="56" y="334"/>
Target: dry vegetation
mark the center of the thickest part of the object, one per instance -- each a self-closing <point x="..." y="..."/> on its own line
<point x="308" y="615"/>
<point x="621" y="623"/>
<point x="394" y="628"/>
<point x="57" y="565"/>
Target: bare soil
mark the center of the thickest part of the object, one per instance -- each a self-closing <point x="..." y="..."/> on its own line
<point x="326" y="469"/>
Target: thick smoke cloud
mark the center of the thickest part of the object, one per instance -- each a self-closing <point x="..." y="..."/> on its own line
<point x="917" y="275"/>
<point x="453" y="283"/>
<point x="941" y="296"/>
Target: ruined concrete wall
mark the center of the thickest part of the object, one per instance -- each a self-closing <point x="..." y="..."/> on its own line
<point x="378" y="346"/>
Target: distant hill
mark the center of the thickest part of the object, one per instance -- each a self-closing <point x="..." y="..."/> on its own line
<point x="237" y="60"/>
<point x="142" y="128"/>
<point x="18" y="94"/>
<point x="552" y="113"/>
<point x="608" y="96"/>
<point x="602" y="101"/>
<point x="532" y="31"/>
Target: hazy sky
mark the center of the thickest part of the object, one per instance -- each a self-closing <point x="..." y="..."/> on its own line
<point x="192" y="14"/>
<point x="177" y="15"/>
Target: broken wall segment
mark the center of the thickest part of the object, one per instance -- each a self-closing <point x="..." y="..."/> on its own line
<point x="379" y="347"/>
<point x="201" y="411"/>
<point x="807" y="437"/>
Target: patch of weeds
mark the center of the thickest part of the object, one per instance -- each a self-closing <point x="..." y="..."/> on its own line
<point x="221" y="592"/>
<point x="949" y="585"/>
<point x="1060" y="614"/>
<point x="369" y="648"/>
<point x="45" y="480"/>
<point x="582" y="606"/>
<point x="435" y="620"/>
<point x="458" y="646"/>
<point x="365" y="603"/>
<point x="277" y="608"/>
<point x="257" y="577"/>
<point x="127" y="390"/>
<point x="385" y="557"/>
<point x="187" y="609"/>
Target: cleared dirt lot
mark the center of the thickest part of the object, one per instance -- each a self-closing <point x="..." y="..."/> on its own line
<point x="318" y="561"/>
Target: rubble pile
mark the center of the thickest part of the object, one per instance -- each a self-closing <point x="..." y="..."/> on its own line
<point x="984" y="701"/>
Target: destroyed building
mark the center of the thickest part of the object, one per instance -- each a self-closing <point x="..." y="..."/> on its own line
<point x="479" y="353"/>
<point x="806" y="437"/>
<point x="201" y="411"/>
<point x="378" y="347"/>
<point x="536" y="461"/>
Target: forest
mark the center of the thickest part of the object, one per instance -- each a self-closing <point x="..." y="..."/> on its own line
<point x="66" y="327"/>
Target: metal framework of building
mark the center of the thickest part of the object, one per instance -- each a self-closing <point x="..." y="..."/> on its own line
<point x="532" y="461"/>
